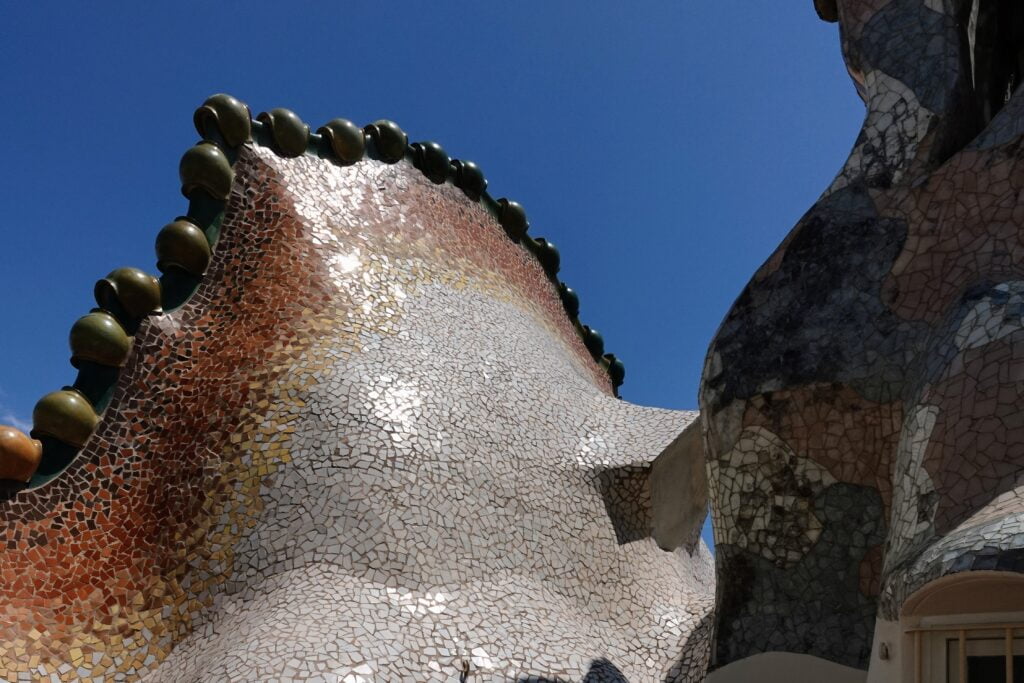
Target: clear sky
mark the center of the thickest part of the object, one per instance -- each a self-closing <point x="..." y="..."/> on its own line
<point x="665" y="147"/>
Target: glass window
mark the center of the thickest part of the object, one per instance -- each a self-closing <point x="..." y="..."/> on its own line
<point x="985" y="659"/>
<point x="992" y="669"/>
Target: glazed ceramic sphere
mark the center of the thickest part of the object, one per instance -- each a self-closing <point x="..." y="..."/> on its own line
<point x="65" y="415"/>
<point x="99" y="338"/>
<point x="205" y="167"/>
<point x="19" y="454"/>
<point x="135" y="292"/>
<point x="228" y="115"/>
<point x="389" y="139"/>
<point x="470" y="179"/>
<point x="432" y="160"/>
<point x="181" y="244"/>
<point x="347" y="140"/>
<point x="513" y="218"/>
<point x="827" y="10"/>
<point x="289" y="133"/>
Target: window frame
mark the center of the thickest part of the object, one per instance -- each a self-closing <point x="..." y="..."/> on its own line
<point x="933" y="648"/>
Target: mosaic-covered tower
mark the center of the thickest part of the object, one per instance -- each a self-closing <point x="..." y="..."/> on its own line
<point x="863" y="398"/>
<point x="355" y="432"/>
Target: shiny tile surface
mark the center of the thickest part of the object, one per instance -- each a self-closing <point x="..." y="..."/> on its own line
<point x="863" y="396"/>
<point x="371" y="447"/>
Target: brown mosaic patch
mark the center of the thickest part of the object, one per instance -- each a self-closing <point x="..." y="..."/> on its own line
<point x="851" y="437"/>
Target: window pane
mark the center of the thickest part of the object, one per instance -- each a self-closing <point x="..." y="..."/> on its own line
<point x="989" y="669"/>
<point x="992" y="670"/>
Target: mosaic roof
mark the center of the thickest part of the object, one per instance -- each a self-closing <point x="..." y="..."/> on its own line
<point x="862" y="398"/>
<point x="354" y="432"/>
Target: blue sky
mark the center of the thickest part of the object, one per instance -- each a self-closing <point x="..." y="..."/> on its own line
<point x="665" y="147"/>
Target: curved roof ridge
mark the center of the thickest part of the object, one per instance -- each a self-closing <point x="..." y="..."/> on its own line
<point x="342" y="141"/>
<point x="101" y="341"/>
